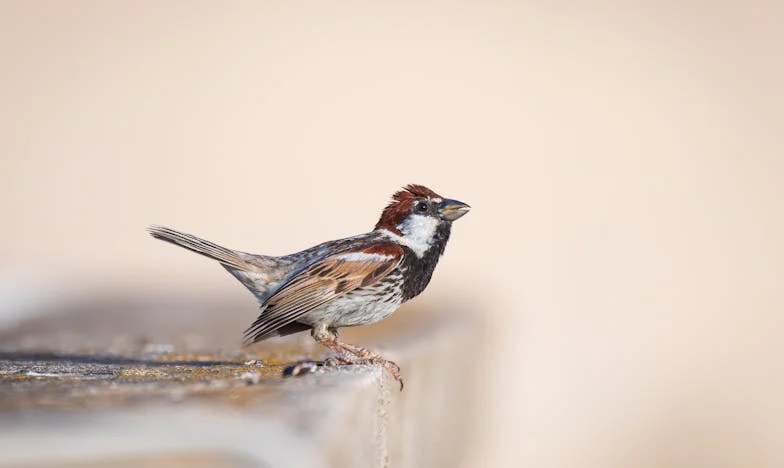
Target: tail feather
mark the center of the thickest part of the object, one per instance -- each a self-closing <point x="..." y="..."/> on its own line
<point x="225" y="256"/>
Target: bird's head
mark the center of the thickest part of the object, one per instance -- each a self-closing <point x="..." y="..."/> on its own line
<point x="417" y="213"/>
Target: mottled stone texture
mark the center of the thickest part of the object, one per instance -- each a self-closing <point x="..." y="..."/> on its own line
<point x="162" y="383"/>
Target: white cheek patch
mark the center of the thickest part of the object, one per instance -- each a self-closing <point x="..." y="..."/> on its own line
<point x="363" y="257"/>
<point x="418" y="232"/>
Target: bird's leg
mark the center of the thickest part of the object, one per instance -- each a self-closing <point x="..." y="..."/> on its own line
<point x="328" y="337"/>
<point x="352" y="354"/>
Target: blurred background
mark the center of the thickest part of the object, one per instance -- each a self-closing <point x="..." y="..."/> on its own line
<point x="623" y="160"/>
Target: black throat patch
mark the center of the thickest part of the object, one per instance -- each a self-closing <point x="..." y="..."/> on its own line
<point x="418" y="271"/>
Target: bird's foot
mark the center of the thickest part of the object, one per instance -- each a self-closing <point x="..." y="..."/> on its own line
<point x="391" y="367"/>
<point x="352" y="354"/>
<point x="371" y="360"/>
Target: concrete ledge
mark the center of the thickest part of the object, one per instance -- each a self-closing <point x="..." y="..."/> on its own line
<point x="76" y="392"/>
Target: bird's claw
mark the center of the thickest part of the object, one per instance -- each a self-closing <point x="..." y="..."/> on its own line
<point x="391" y="367"/>
<point x="394" y="371"/>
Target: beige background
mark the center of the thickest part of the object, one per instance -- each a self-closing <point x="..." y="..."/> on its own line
<point x="624" y="163"/>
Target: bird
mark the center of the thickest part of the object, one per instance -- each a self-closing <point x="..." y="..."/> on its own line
<point x="347" y="282"/>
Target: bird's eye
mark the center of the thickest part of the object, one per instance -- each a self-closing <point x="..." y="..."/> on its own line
<point x="422" y="207"/>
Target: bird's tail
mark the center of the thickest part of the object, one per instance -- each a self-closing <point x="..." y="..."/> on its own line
<point x="225" y="256"/>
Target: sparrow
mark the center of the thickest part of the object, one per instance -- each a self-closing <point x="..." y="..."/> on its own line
<point x="347" y="282"/>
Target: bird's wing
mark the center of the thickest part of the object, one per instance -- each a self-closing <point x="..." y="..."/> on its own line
<point x="321" y="282"/>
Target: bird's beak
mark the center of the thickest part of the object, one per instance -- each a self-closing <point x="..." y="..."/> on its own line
<point x="450" y="210"/>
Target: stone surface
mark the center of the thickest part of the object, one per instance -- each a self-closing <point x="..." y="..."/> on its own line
<point x="161" y="383"/>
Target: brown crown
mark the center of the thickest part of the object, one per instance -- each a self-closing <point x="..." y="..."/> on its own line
<point x="401" y="204"/>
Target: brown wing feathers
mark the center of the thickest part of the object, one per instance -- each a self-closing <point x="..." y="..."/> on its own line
<point x="320" y="283"/>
